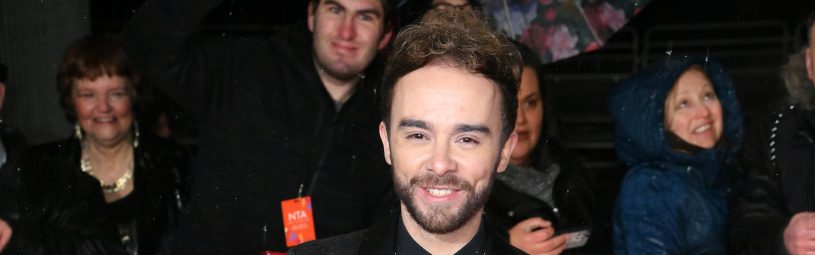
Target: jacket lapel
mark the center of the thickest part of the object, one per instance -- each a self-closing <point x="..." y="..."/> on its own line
<point x="380" y="238"/>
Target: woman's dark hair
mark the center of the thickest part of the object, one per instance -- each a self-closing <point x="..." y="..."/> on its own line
<point x="91" y="57"/>
<point x="549" y="147"/>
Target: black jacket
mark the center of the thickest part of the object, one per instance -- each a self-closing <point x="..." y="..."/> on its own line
<point x="381" y="239"/>
<point x="777" y="179"/>
<point x="268" y="129"/>
<point x="62" y="209"/>
<point x="573" y="196"/>
<point x="15" y="146"/>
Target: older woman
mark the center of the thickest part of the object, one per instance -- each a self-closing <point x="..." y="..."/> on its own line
<point x="543" y="191"/>
<point x="677" y="123"/>
<point x="108" y="189"/>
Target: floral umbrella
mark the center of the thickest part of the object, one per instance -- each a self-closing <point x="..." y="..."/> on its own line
<point x="558" y="29"/>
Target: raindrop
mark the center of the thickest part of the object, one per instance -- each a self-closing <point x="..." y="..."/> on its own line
<point x="668" y="52"/>
<point x="230" y="13"/>
<point x="223" y="34"/>
<point x="235" y="197"/>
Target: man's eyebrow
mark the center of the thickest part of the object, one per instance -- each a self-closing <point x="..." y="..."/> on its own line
<point x="371" y="11"/>
<point x="462" y="128"/>
<point x="414" y="123"/>
<point x="334" y="3"/>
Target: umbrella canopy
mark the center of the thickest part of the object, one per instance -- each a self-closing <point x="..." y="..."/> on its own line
<point x="558" y="29"/>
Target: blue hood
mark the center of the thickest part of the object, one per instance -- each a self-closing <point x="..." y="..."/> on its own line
<point x="637" y="106"/>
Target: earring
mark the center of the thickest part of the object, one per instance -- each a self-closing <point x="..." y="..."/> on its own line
<point x="136" y="134"/>
<point x="78" y="131"/>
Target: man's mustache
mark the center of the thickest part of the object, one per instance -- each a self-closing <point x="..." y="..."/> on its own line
<point x="447" y="180"/>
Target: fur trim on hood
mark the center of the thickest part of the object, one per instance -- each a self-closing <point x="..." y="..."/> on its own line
<point x="800" y="89"/>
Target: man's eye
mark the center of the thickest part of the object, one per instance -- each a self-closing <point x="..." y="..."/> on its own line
<point x="416" y="136"/>
<point x="469" y="140"/>
<point x="334" y="9"/>
<point x="366" y="17"/>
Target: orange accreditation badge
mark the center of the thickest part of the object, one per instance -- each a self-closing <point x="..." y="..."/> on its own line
<point x="298" y="220"/>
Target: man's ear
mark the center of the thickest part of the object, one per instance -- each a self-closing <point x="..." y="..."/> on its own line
<point x="310" y="15"/>
<point x="386" y="38"/>
<point x="506" y="151"/>
<point x="386" y="145"/>
<point x="809" y="64"/>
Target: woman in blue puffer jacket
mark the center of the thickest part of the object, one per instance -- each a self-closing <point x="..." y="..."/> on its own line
<point x="677" y="123"/>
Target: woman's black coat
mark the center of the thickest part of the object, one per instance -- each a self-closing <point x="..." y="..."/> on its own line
<point x="63" y="211"/>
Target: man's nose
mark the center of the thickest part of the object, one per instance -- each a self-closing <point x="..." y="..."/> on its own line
<point x="441" y="162"/>
<point x="347" y="29"/>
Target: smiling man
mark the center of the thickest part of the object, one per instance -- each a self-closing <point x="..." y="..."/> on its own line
<point x="288" y="150"/>
<point x="449" y="109"/>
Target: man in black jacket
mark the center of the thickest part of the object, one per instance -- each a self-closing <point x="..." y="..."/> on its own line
<point x="285" y="117"/>
<point x="774" y="196"/>
<point x="449" y="92"/>
<point x="12" y="147"/>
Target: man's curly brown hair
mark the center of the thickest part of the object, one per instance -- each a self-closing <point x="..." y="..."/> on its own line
<point x="461" y="39"/>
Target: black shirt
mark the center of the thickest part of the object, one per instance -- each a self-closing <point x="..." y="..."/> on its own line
<point x="406" y="245"/>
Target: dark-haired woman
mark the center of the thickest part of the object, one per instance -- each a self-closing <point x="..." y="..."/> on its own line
<point x="543" y="191"/>
<point x="108" y="189"/>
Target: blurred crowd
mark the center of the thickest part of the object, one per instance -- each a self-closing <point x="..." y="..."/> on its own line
<point x="352" y="132"/>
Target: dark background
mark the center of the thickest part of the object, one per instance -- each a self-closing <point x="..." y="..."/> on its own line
<point x="33" y="34"/>
<point x="109" y="15"/>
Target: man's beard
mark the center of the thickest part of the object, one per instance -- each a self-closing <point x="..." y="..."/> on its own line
<point x="436" y="219"/>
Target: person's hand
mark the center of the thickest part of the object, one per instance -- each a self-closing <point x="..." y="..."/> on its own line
<point x="799" y="235"/>
<point x="5" y="234"/>
<point x="535" y="236"/>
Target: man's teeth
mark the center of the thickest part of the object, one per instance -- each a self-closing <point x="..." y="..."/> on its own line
<point x="439" y="192"/>
<point x="702" y="129"/>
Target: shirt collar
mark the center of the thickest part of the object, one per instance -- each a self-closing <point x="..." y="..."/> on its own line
<point x="406" y="245"/>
